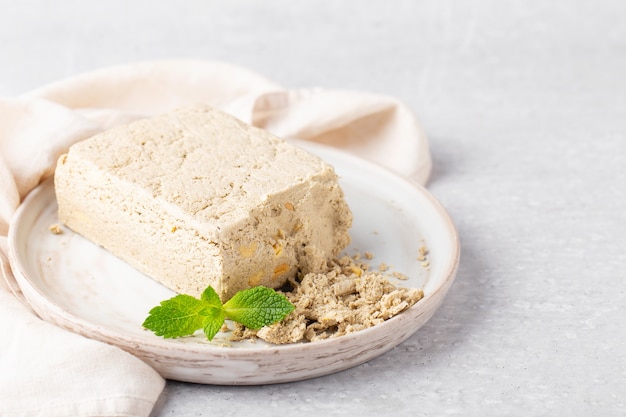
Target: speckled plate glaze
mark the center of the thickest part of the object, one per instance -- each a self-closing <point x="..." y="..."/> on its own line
<point x="78" y="286"/>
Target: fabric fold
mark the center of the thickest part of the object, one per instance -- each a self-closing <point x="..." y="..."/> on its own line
<point x="352" y="121"/>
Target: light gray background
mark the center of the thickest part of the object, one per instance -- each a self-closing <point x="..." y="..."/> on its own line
<point x="524" y="104"/>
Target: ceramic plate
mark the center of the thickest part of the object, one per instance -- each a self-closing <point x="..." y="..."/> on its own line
<point x="77" y="285"/>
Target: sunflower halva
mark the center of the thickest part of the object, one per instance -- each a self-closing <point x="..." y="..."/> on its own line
<point x="196" y="197"/>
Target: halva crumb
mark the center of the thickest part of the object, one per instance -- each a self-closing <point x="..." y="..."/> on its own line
<point x="400" y="275"/>
<point x="345" y="299"/>
<point x="55" y="229"/>
<point x="421" y="253"/>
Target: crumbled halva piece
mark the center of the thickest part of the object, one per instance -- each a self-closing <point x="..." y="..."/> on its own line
<point x="195" y="198"/>
<point x="55" y="229"/>
<point x="334" y="303"/>
<point x="421" y="253"/>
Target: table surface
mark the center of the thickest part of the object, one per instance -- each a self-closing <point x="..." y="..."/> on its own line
<point x="524" y="104"/>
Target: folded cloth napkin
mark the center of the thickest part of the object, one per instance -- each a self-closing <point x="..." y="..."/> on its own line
<point x="47" y="371"/>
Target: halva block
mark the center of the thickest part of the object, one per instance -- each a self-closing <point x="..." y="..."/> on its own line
<point x="196" y="197"/>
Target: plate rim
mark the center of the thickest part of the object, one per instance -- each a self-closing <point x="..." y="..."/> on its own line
<point x="55" y="313"/>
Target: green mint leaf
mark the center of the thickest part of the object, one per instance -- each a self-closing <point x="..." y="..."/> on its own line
<point x="210" y="296"/>
<point x="257" y="307"/>
<point x="214" y="318"/>
<point x="179" y="316"/>
<point x="183" y="314"/>
<point x="213" y="321"/>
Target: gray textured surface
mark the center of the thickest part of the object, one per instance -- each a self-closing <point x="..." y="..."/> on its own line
<point x="525" y="107"/>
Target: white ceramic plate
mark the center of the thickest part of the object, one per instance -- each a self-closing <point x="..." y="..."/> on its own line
<point x="73" y="283"/>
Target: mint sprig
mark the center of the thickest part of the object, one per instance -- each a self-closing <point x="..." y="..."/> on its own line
<point x="183" y="314"/>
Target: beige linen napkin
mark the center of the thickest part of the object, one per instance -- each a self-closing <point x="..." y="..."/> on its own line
<point x="47" y="371"/>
